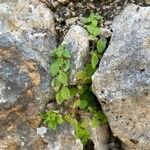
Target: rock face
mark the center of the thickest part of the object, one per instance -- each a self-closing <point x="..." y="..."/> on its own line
<point x="122" y="82"/>
<point x="77" y="42"/>
<point x="26" y="37"/>
<point x="60" y="139"/>
<point x="100" y="137"/>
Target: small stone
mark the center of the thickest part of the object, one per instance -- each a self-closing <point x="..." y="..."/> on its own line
<point x="71" y="21"/>
<point x="77" y="42"/>
<point x="147" y="2"/>
<point x="41" y="131"/>
<point x="63" y="1"/>
<point x="105" y="33"/>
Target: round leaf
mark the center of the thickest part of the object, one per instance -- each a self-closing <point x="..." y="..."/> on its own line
<point x="62" y="78"/>
<point x="101" y="45"/>
<point x="65" y="93"/>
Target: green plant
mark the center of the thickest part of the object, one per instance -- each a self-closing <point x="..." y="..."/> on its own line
<point x="77" y="103"/>
<point x="52" y="119"/>
<point x="60" y="72"/>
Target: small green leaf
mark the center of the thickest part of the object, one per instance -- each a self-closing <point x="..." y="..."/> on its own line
<point x="59" y="53"/>
<point x="52" y="119"/>
<point x="81" y="75"/>
<point x="82" y="133"/>
<point x="71" y="120"/>
<point x="94" y="23"/>
<point x="65" y="93"/>
<point x="82" y="89"/>
<point x="98" y="119"/>
<point x="54" y="68"/>
<point x="67" y="54"/>
<point x="59" y="98"/>
<point x="96" y="31"/>
<point x="94" y="60"/>
<point x="101" y="45"/>
<point x="56" y="84"/>
<point x="90" y="28"/>
<point x="67" y="65"/>
<point x="60" y="119"/>
<point x="73" y="91"/>
<point x="62" y="78"/>
<point x="83" y="104"/>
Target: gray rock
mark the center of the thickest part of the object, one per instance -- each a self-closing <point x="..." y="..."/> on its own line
<point x="26" y="36"/>
<point x="60" y="139"/>
<point x="100" y="137"/>
<point x="105" y="33"/>
<point x="122" y="82"/>
<point x="147" y="2"/>
<point x="77" y="42"/>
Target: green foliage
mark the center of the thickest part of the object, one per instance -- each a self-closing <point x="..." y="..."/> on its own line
<point x="77" y="101"/>
<point x="101" y="45"/>
<point x="52" y="119"/>
<point x="82" y="133"/>
<point x="94" y="60"/>
<point x="59" y="69"/>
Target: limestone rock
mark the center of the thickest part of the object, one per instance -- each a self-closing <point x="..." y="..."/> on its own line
<point x="105" y="33"/>
<point x="26" y="36"/>
<point x="100" y="137"/>
<point x="147" y="2"/>
<point x="77" y="42"/>
<point x="122" y="82"/>
<point x="60" y="139"/>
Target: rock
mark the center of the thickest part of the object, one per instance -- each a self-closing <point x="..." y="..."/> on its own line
<point x="63" y="1"/>
<point x="71" y="21"/>
<point x="60" y="139"/>
<point x="26" y="36"/>
<point x="147" y="2"/>
<point x="100" y="137"/>
<point x="122" y="82"/>
<point x="77" y="42"/>
<point x="105" y="33"/>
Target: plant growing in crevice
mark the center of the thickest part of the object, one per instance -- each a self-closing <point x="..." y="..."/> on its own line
<point x="76" y="103"/>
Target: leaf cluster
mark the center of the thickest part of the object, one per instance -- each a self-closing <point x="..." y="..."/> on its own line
<point x="59" y="70"/>
<point x="77" y="100"/>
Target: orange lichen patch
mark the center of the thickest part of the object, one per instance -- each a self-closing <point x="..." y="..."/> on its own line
<point x="9" y="144"/>
<point x="34" y="121"/>
<point x="10" y="53"/>
<point x="31" y="68"/>
<point x="4" y="114"/>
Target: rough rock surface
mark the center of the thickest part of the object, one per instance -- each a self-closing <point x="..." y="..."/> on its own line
<point x="60" y="139"/>
<point x="100" y="137"/>
<point x="26" y="37"/>
<point x="77" y="42"/>
<point x="122" y="82"/>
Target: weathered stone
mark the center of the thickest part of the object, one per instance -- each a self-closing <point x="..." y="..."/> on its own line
<point x="26" y="36"/>
<point x="122" y="82"/>
<point x="100" y="137"/>
<point x="105" y="33"/>
<point x="77" y="42"/>
<point x="60" y="139"/>
<point x="147" y="2"/>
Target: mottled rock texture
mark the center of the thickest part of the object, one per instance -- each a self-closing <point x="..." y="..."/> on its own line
<point x="26" y="37"/>
<point x="77" y="42"/>
<point x="122" y="82"/>
<point x="100" y="137"/>
<point x="60" y="139"/>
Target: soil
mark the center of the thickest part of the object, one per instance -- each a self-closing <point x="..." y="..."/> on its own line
<point x="69" y="12"/>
